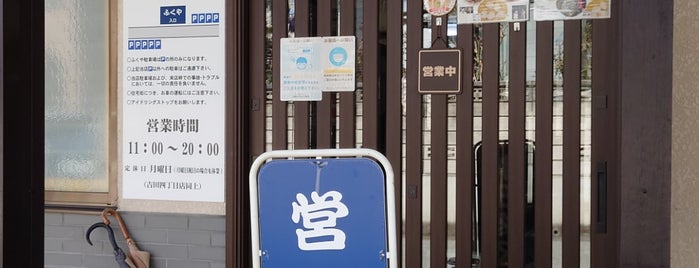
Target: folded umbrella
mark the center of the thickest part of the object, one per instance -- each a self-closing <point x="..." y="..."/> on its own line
<point x="119" y="254"/>
<point x="135" y="257"/>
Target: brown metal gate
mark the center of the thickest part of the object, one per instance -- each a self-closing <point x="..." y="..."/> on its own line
<point x="496" y="176"/>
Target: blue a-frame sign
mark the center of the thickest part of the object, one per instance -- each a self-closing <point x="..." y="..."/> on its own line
<point x="322" y="212"/>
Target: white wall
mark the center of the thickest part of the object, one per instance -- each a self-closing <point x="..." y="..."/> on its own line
<point x="685" y="139"/>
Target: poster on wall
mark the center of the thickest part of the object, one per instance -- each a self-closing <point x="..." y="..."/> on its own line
<point x="485" y="11"/>
<point x="545" y="10"/>
<point x="300" y="69"/>
<point x="339" y="64"/>
<point x="313" y="65"/>
<point x="173" y="100"/>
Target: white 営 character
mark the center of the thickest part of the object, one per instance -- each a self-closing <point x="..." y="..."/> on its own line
<point x="319" y="220"/>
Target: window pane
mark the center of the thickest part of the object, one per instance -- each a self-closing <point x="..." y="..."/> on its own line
<point x="77" y="95"/>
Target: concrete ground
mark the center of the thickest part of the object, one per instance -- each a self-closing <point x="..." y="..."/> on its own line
<point x="556" y="254"/>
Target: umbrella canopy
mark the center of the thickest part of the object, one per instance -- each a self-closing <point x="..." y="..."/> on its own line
<point x="135" y="257"/>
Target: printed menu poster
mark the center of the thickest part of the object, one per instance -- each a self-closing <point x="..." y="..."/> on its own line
<point x="571" y="9"/>
<point x="484" y="11"/>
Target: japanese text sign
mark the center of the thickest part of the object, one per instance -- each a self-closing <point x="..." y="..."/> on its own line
<point x="313" y="65"/>
<point x="173" y="15"/>
<point x="322" y="213"/>
<point x="439" y="71"/>
<point x="300" y="69"/>
<point x="173" y="100"/>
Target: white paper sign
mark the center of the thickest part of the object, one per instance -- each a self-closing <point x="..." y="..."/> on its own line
<point x="300" y="69"/>
<point x="571" y="9"/>
<point x="485" y="11"/>
<point x="313" y="65"/>
<point x="173" y="100"/>
<point x="338" y="64"/>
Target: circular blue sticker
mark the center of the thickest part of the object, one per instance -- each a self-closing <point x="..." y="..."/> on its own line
<point x="338" y="56"/>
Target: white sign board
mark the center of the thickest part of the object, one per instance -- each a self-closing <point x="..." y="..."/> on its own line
<point x="485" y="11"/>
<point x="571" y="9"/>
<point x="313" y="65"/>
<point x="300" y="69"/>
<point x="339" y="64"/>
<point x="173" y="100"/>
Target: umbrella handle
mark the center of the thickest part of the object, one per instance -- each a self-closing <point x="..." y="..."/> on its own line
<point x="109" y="211"/>
<point x="110" y="232"/>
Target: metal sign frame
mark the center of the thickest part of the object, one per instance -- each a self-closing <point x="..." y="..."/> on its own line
<point x="392" y="253"/>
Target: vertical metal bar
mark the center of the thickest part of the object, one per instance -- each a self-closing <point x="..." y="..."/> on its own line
<point x="347" y="99"/>
<point x="491" y="97"/>
<point x="464" y="150"/>
<point x="23" y="114"/>
<point x="605" y="133"/>
<point x="571" y="144"/>
<point x="236" y="131"/>
<point x="646" y="124"/>
<point x="438" y="162"/>
<point x="232" y="212"/>
<point x="325" y="116"/>
<point x="394" y="110"/>
<point x="600" y="120"/>
<point x="280" y="10"/>
<point x="516" y="149"/>
<point x="413" y="137"/>
<point x="114" y="26"/>
<point x="256" y="45"/>
<point x="370" y="101"/>
<point x="302" y="108"/>
<point x="544" y="139"/>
